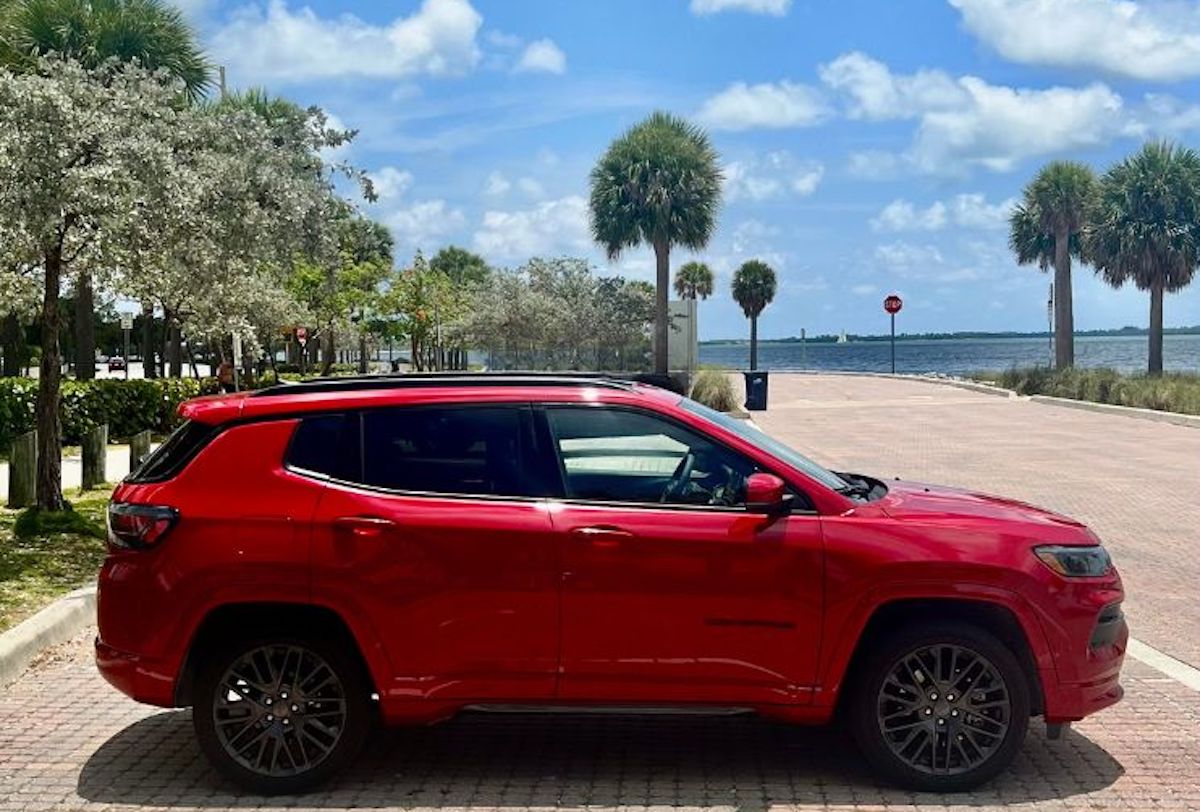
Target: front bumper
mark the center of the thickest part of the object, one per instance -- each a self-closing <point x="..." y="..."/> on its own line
<point x="137" y="677"/>
<point x="1098" y="673"/>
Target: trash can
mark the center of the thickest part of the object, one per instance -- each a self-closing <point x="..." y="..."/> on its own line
<point x="756" y="391"/>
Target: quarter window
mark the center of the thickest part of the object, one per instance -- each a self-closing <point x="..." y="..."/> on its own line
<point x="617" y="455"/>
<point x="327" y="444"/>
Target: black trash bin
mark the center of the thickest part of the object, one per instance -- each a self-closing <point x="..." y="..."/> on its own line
<point x="756" y="391"/>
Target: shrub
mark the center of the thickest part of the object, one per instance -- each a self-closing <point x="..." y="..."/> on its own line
<point x="714" y="389"/>
<point x="1178" y="392"/>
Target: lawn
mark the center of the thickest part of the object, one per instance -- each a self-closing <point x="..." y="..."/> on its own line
<point x="37" y="569"/>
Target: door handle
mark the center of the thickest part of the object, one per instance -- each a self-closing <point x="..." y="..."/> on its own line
<point x="601" y="535"/>
<point x="363" y="527"/>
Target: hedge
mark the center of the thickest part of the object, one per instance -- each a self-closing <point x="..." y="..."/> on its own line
<point x="126" y="406"/>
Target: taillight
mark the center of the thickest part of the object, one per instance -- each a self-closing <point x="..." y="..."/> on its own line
<point x="137" y="527"/>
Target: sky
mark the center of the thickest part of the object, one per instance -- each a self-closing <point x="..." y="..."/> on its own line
<point x="868" y="146"/>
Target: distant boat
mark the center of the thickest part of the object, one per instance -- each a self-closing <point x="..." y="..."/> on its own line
<point x="842" y="338"/>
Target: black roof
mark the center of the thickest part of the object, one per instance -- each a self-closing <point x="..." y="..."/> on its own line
<point x="416" y="379"/>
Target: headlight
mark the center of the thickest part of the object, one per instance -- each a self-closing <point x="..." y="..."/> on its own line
<point x="1075" y="562"/>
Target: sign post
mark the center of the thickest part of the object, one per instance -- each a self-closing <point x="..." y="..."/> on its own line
<point x="892" y="305"/>
<point x="126" y="326"/>
<point x="302" y="340"/>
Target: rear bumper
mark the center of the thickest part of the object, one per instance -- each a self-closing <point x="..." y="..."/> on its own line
<point x="137" y="677"/>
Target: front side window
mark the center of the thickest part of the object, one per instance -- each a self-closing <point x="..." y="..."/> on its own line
<point x="618" y="455"/>
<point x="453" y="450"/>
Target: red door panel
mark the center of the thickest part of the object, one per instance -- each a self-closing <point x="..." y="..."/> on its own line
<point x="677" y="605"/>
<point x="463" y="592"/>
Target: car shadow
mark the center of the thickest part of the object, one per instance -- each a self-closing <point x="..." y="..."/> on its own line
<point x="524" y="760"/>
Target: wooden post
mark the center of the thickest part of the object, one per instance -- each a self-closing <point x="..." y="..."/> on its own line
<point x="95" y="457"/>
<point x="139" y="447"/>
<point x="22" y="471"/>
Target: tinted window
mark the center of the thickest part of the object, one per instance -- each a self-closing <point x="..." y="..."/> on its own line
<point x="176" y="451"/>
<point x="461" y="450"/>
<point x="617" y="455"/>
<point x="327" y="444"/>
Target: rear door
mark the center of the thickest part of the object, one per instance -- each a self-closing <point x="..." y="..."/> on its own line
<point x="438" y="537"/>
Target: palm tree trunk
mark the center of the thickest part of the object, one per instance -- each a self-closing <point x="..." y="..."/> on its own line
<point x="49" y="422"/>
<point x="85" y="329"/>
<point x="662" y="258"/>
<point x="1155" y="366"/>
<point x="1064" y="318"/>
<point x="753" y="343"/>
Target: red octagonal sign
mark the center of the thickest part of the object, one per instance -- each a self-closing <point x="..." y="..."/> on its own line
<point x="892" y="304"/>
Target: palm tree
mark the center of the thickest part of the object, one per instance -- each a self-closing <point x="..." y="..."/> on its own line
<point x="754" y="288"/>
<point x="1045" y="229"/>
<point x="150" y="32"/>
<point x="660" y="184"/>
<point x="694" y="281"/>
<point x="1146" y="228"/>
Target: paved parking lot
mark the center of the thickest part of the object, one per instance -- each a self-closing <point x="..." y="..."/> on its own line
<point x="68" y="741"/>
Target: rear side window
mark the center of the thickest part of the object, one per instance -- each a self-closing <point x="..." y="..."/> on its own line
<point x="180" y="447"/>
<point x="455" y="450"/>
<point x="327" y="444"/>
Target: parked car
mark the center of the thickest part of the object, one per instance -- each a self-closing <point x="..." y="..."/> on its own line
<point x="299" y="562"/>
<point x="116" y="363"/>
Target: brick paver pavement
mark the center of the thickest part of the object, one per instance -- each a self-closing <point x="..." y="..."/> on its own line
<point x="69" y="741"/>
<point x="1135" y="482"/>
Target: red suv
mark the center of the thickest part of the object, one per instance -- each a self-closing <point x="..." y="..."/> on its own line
<point x="298" y="562"/>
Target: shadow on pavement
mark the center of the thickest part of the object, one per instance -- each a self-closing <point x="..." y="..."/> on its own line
<point x="529" y="760"/>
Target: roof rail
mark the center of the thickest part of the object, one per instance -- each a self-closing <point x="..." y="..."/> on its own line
<point x="351" y="383"/>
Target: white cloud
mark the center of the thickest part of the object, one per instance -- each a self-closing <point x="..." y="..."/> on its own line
<point x="964" y="210"/>
<point x="531" y="187"/>
<point x="965" y="122"/>
<point x="751" y="236"/>
<point x="863" y="290"/>
<point x="541" y="56"/>
<point x="776" y="8"/>
<point x="758" y="179"/>
<point x="496" y="185"/>
<point x="500" y="39"/>
<point x="553" y="227"/>
<point x="901" y="215"/>
<point x="874" y="165"/>
<point x="390" y="182"/>
<point x="743" y="107"/>
<point x="285" y="45"/>
<point x="1152" y="41"/>
<point x="423" y="223"/>
<point x="905" y="257"/>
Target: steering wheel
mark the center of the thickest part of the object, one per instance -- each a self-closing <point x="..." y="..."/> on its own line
<point x="679" y="479"/>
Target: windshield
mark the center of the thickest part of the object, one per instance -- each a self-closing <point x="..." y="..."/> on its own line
<point x="768" y="443"/>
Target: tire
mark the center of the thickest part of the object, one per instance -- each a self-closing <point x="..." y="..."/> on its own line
<point x="935" y="744"/>
<point x="277" y="737"/>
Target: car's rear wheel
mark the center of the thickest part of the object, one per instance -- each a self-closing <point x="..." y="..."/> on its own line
<point x="281" y="715"/>
<point x="943" y="707"/>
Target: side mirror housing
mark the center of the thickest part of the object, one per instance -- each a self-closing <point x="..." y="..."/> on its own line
<point x="767" y="494"/>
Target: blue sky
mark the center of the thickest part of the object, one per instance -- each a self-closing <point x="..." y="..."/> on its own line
<point x="869" y="146"/>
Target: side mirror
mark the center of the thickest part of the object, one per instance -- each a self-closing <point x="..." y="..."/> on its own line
<point x="767" y="493"/>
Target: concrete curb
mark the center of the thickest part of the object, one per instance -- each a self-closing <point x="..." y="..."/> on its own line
<point x="57" y="623"/>
<point x="1153" y="415"/>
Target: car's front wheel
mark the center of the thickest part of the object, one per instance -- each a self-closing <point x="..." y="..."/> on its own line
<point x="943" y="707"/>
<point x="280" y="715"/>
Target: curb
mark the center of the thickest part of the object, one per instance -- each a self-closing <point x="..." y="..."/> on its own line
<point x="57" y="623"/>
<point x="1153" y="415"/>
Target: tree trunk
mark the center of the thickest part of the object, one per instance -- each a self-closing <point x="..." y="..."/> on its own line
<point x="362" y="354"/>
<point x="175" y="348"/>
<point x="49" y="422"/>
<point x="85" y="329"/>
<point x="149" y="367"/>
<point x="327" y="351"/>
<point x="753" y="343"/>
<point x="1155" y="366"/>
<point x="1064" y="318"/>
<point x="662" y="258"/>
<point x="12" y="337"/>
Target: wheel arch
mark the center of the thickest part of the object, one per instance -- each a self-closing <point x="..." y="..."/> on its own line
<point x="238" y="620"/>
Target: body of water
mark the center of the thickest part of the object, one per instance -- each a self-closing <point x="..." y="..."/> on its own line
<point x="956" y="356"/>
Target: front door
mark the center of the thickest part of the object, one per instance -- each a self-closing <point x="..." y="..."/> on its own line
<point x="444" y="545"/>
<point x="672" y="591"/>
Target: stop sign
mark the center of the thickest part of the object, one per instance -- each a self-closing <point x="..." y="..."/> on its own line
<point x="892" y="304"/>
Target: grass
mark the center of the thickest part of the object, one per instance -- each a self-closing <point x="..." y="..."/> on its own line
<point x="43" y="555"/>
<point x="1173" y="392"/>
<point x="714" y="389"/>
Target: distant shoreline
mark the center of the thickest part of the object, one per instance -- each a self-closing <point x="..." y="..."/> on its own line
<point x="850" y="337"/>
